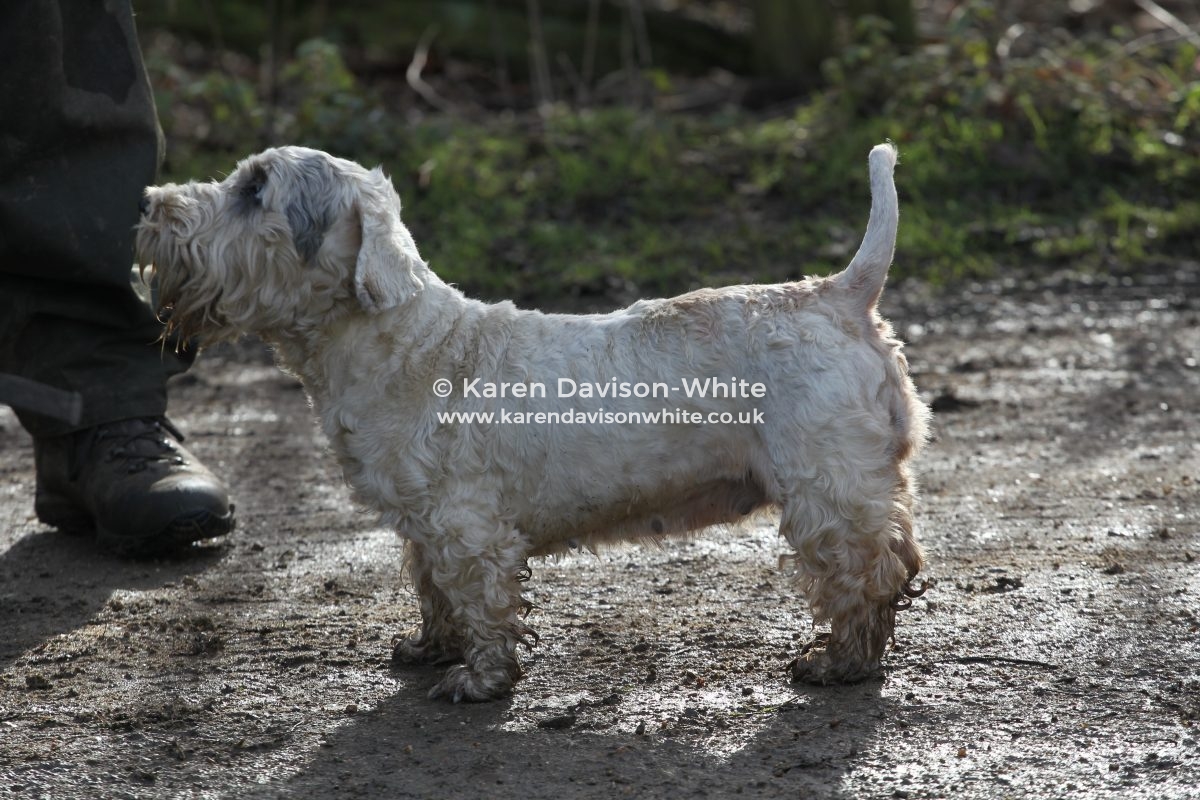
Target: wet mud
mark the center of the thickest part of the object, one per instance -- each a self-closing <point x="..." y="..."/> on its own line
<point x="1056" y="653"/>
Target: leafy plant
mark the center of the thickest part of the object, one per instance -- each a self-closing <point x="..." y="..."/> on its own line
<point x="1061" y="151"/>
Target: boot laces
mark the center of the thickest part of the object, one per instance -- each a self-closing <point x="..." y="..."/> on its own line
<point x="134" y="443"/>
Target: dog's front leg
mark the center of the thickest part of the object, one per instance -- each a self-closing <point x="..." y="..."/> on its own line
<point x="478" y="568"/>
<point x="437" y="641"/>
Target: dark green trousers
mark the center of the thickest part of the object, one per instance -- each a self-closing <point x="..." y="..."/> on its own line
<point x="79" y="140"/>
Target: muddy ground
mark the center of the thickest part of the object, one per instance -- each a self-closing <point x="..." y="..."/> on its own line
<point x="1057" y="655"/>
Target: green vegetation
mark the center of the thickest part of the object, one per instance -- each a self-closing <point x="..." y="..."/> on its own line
<point x="1085" y="154"/>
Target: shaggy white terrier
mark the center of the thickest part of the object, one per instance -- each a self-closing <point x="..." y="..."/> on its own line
<point x="308" y="251"/>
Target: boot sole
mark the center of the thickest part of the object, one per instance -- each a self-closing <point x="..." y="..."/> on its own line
<point x="68" y="517"/>
<point x="59" y="512"/>
<point x="180" y="533"/>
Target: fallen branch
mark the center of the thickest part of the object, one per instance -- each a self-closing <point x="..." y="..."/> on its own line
<point x="415" y="67"/>
<point x="1169" y="20"/>
<point x="1020" y="662"/>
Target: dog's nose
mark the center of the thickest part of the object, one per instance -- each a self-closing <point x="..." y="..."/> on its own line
<point x="144" y="205"/>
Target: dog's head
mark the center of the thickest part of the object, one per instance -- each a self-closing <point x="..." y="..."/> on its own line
<point x="291" y="240"/>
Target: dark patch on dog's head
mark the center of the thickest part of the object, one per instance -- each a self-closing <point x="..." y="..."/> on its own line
<point x="308" y="211"/>
<point x="250" y="189"/>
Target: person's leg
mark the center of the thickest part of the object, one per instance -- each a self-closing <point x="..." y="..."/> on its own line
<point x="80" y="142"/>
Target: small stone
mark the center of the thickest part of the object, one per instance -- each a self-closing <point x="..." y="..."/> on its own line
<point x="558" y="722"/>
<point x="36" y="682"/>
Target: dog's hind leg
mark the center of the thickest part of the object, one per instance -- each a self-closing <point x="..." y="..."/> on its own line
<point x="855" y="554"/>
<point x="478" y="566"/>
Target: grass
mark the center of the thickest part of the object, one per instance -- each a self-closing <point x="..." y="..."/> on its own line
<point x="1086" y="157"/>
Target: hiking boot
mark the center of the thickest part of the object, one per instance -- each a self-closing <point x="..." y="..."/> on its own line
<point x="131" y="484"/>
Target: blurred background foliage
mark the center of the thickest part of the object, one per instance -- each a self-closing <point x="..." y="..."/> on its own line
<point x="580" y="153"/>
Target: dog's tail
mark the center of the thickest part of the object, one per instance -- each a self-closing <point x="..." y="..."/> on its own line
<point x="865" y="276"/>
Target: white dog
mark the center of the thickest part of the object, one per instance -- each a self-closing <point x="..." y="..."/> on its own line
<point x="308" y="251"/>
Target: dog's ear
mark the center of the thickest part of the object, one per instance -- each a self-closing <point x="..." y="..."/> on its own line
<point x="388" y="271"/>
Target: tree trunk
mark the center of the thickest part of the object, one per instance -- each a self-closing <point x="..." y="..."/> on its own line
<point x="898" y="12"/>
<point x="793" y="37"/>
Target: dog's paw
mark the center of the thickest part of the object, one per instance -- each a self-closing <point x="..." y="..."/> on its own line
<point x="415" y="649"/>
<point x="460" y="683"/>
<point x="817" y="665"/>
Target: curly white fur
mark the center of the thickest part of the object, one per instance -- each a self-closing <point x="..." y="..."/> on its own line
<point x="309" y="252"/>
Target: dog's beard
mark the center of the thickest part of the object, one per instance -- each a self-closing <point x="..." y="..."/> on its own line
<point x="183" y="322"/>
<point x="187" y="309"/>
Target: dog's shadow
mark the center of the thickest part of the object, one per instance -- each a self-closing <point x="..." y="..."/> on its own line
<point x="411" y="746"/>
